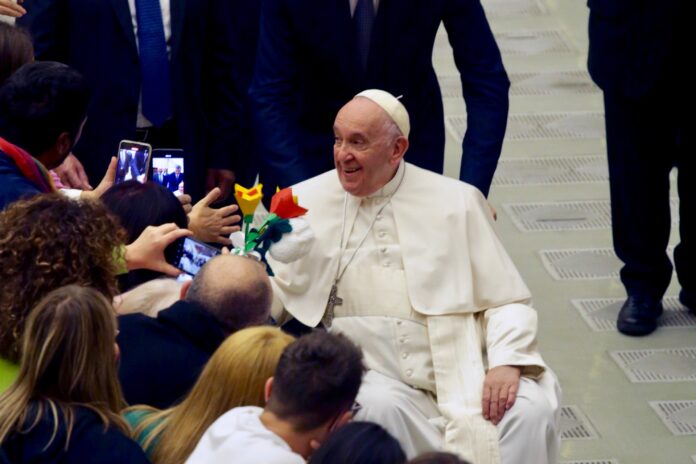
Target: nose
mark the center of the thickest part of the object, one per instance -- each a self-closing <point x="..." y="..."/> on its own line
<point x="341" y="151"/>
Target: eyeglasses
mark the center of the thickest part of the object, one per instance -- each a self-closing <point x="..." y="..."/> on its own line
<point x="355" y="408"/>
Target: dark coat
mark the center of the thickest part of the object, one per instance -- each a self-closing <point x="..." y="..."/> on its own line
<point x="13" y="185"/>
<point x="307" y="69"/>
<point x="89" y="442"/>
<point x="630" y="43"/>
<point x="162" y="357"/>
<point x="211" y="62"/>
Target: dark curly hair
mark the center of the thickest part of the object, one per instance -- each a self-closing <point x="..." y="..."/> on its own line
<point x="47" y="242"/>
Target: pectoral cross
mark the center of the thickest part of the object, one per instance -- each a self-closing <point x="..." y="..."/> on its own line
<point x="334" y="300"/>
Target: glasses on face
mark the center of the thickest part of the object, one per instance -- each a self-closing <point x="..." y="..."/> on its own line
<point x="355" y="408"/>
<point x="353" y="411"/>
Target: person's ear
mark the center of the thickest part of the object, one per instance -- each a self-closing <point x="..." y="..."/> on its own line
<point x="184" y="289"/>
<point x="400" y="147"/>
<point x="64" y="144"/>
<point x="268" y="389"/>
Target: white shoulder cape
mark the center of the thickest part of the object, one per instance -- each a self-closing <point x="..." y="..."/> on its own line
<point x="453" y="260"/>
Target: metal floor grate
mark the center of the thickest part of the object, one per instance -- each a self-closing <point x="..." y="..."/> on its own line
<point x="600" y="313"/>
<point x="531" y="84"/>
<point x="678" y="416"/>
<point x="552" y="170"/>
<point x="591" y="461"/>
<point x="661" y="365"/>
<point x="501" y="8"/>
<point x="528" y="43"/>
<point x="567" y="215"/>
<point x="575" y="425"/>
<point x="582" y="263"/>
<point x="555" y="216"/>
<point x="542" y="126"/>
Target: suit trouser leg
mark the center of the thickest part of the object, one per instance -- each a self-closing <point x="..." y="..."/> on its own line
<point x="641" y="151"/>
<point x="685" y="252"/>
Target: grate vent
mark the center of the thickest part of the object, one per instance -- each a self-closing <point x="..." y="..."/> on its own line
<point x="531" y="84"/>
<point x="567" y="215"/>
<point x="657" y="365"/>
<point x="575" y="425"/>
<point x="601" y="313"/>
<point x="502" y="8"/>
<point x="542" y="126"/>
<point x="552" y="170"/>
<point x="529" y="43"/>
<point x="678" y="416"/>
<point x="581" y="263"/>
<point x="592" y="461"/>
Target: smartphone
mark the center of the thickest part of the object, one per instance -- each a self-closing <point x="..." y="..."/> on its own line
<point x="191" y="255"/>
<point x="133" y="161"/>
<point x="168" y="169"/>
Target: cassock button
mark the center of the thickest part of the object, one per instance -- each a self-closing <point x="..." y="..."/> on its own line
<point x="382" y="234"/>
<point x="386" y="264"/>
<point x="379" y="217"/>
<point x="404" y="355"/>
<point x="402" y="339"/>
<point x="409" y="372"/>
<point x="399" y="322"/>
<point x="384" y="249"/>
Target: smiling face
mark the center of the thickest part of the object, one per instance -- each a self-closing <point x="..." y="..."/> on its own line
<point x="367" y="149"/>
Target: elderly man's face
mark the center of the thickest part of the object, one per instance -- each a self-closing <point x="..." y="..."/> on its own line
<point x="365" y="155"/>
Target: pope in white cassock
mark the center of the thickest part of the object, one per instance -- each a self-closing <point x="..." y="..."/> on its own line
<point x="407" y="264"/>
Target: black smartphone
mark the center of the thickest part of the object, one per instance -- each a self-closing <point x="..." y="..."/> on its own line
<point x="168" y="169"/>
<point x="191" y="255"/>
<point x="133" y="161"/>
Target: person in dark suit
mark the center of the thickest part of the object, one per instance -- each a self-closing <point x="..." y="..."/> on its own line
<point x="174" y="179"/>
<point x="315" y="56"/>
<point x="636" y="56"/>
<point x="162" y="357"/>
<point x="166" y="76"/>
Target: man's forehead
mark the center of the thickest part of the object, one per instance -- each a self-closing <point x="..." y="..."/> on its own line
<point x="360" y="114"/>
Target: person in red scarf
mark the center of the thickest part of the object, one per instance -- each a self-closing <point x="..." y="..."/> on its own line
<point x="42" y="110"/>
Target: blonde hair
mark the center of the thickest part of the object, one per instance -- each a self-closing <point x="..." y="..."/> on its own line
<point x="68" y="361"/>
<point x="234" y="376"/>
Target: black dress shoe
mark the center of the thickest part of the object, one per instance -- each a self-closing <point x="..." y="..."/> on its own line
<point x="638" y="316"/>
<point x="688" y="299"/>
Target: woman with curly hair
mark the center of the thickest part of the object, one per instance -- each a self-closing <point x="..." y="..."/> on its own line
<point x="234" y="376"/>
<point x="64" y="406"/>
<point x="49" y="241"/>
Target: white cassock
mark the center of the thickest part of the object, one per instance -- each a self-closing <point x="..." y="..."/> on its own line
<point x="434" y="301"/>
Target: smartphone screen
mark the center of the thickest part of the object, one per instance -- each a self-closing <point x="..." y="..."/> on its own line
<point x="133" y="161"/>
<point x="168" y="169"/>
<point x="192" y="255"/>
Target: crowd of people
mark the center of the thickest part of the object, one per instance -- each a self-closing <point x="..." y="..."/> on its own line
<point x="404" y="334"/>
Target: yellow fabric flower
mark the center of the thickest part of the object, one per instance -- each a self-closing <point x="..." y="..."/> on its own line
<point x="248" y="199"/>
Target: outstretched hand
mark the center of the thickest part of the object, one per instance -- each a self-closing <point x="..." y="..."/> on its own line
<point x="500" y="391"/>
<point x="10" y="8"/>
<point x="213" y="225"/>
<point x="147" y="251"/>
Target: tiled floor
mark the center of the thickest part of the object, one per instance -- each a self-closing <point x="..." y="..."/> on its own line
<point x="627" y="400"/>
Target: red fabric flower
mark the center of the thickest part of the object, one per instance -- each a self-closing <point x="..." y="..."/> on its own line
<point x="284" y="204"/>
